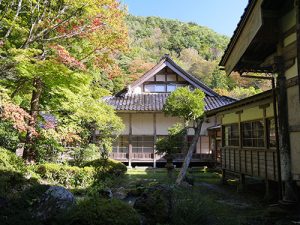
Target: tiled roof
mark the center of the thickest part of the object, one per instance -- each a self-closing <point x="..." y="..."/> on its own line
<point x="155" y="102"/>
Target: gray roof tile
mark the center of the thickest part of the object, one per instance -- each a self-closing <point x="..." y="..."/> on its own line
<point x="155" y="102"/>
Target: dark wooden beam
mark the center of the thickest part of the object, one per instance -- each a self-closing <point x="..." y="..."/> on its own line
<point x="297" y="5"/>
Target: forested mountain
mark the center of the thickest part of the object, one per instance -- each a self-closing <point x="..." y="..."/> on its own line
<point x="196" y="48"/>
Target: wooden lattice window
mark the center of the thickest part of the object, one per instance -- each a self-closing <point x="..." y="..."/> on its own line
<point x="231" y="135"/>
<point x="142" y="144"/>
<point x="121" y="144"/>
<point x="253" y="134"/>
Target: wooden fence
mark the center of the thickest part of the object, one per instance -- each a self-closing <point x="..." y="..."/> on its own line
<point x="253" y="162"/>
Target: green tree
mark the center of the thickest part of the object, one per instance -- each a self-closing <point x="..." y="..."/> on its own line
<point x="171" y="145"/>
<point x="49" y="48"/>
<point x="188" y="105"/>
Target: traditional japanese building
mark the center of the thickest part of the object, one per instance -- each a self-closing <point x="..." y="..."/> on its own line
<point x="266" y="40"/>
<point x="140" y="106"/>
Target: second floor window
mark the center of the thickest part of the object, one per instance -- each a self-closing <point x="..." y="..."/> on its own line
<point x="161" y="87"/>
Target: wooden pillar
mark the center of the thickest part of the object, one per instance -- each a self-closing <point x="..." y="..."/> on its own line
<point x="224" y="180"/>
<point x="155" y="137"/>
<point x="130" y="141"/>
<point x="242" y="183"/>
<point x="267" y="190"/>
<point x="289" y="193"/>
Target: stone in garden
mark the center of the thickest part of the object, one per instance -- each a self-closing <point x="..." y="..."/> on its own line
<point x="55" y="201"/>
<point x="106" y="193"/>
<point x="120" y="193"/>
<point x="155" y="204"/>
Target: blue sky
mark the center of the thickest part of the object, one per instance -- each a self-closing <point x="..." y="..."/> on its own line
<point x="220" y="15"/>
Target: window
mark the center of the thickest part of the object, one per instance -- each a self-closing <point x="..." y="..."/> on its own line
<point x="271" y="132"/>
<point x="121" y="144"/>
<point x="142" y="144"/>
<point x="231" y="135"/>
<point x="149" y="88"/>
<point x="253" y="134"/>
<point x="155" y="88"/>
<point x="160" y="88"/>
<point x="171" y="87"/>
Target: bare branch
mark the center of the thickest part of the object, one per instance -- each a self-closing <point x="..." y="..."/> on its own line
<point x="47" y="30"/>
<point x="15" y="18"/>
<point x="82" y="30"/>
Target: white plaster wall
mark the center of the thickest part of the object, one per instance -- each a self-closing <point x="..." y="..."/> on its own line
<point x="125" y="120"/>
<point x="137" y="90"/>
<point x="292" y="72"/>
<point x="270" y="111"/>
<point x="142" y="124"/>
<point x="164" y="122"/>
<point x="295" y="152"/>
<point x="230" y="118"/>
<point x="254" y="113"/>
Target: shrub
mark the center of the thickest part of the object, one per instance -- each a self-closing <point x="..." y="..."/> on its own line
<point x="79" y="177"/>
<point x="81" y="155"/>
<point x="108" y="167"/>
<point x="9" y="137"/>
<point x="9" y="161"/>
<point x="102" y="212"/>
<point x="70" y="176"/>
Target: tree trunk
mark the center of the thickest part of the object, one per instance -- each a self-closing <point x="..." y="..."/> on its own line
<point x="185" y="138"/>
<point x="29" y="154"/>
<point x="189" y="154"/>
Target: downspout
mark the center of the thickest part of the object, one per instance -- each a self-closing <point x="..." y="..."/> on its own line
<point x="276" y="128"/>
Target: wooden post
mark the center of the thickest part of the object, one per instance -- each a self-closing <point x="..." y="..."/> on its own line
<point x="267" y="190"/>
<point x="242" y="183"/>
<point x="130" y="141"/>
<point x="224" y="180"/>
<point x="154" y="131"/>
<point x="284" y="138"/>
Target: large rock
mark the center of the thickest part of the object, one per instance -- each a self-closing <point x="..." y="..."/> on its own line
<point x="155" y="204"/>
<point x="54" y="202"/>
<point x="120" y="193"/>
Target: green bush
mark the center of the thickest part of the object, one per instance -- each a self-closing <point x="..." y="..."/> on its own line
<point x="69" y="176"/>
<point x="9" y="136"/>
<point x="80" y="177"/>
<point x="108" y="166"/>
<point x="9" y="161"/>
<point x="102" y="212"/>
<point x="82" y="155"/>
